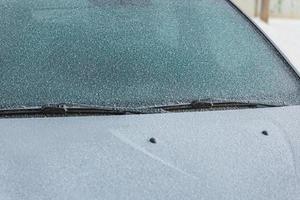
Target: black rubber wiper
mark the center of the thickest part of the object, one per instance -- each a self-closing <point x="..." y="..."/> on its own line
<point x="215" y="104"/>
<point x="68" y="109"/>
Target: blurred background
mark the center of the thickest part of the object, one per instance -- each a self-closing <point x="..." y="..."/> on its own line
<point x="277" y="8"/>
<point x="280" y="20"/>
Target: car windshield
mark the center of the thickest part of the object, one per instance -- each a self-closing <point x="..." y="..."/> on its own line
<point x="133" y="53"/>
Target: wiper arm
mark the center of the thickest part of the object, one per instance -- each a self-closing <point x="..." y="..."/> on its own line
<point x="68" y="109"/>
<point x="215" y="104"/>
<point x="80" y="109"/>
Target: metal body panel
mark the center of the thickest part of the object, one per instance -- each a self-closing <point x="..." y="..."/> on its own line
<point x="197" y="155"/>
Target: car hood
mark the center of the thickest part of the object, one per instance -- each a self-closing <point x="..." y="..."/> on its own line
<point x="197" y="155"/>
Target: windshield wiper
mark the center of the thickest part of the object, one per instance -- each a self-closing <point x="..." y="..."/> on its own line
<point x="215" y="104"/>
<point x="69" y="109"/>
<point x="80" y="109"/>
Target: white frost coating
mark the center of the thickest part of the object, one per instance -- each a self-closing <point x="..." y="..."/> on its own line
<point x="111" y="158"/>
<point x="135" y="53"/>
<point x="138" y="148"/>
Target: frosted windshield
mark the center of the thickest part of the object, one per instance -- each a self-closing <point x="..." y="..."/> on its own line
<point x="135" y="53"/>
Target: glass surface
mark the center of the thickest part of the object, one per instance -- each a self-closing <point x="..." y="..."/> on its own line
<point x="135" y="53"/>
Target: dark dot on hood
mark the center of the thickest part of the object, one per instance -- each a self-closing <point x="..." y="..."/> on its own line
<point x="265" y="133"/>
<point x="152" y="140"/>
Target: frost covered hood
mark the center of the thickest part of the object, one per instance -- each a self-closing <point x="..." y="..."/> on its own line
<point x="198" y="155"/>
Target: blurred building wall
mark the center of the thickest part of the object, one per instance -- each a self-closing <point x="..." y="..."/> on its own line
<point x="278" y="8"/>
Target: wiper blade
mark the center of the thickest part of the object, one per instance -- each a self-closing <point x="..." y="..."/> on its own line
<point x="215" y="104"/>
<point x="68" y="109"/>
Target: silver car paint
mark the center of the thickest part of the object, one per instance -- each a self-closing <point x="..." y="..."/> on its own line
<point x="198" y="155"/>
